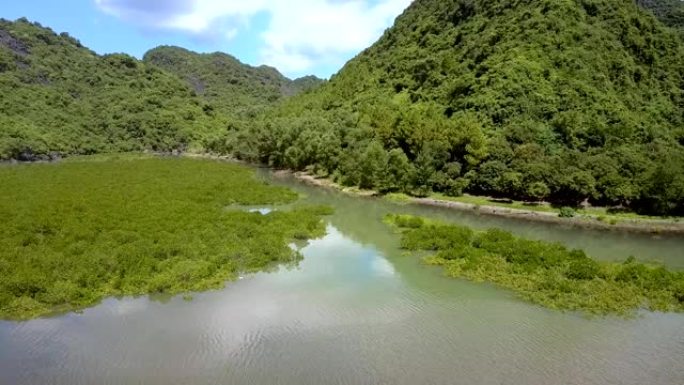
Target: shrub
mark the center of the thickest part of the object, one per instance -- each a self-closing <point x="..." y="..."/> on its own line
<point x="459" y="253"/>
<point x="436" y="237"/>
<point x="407" y="221"/>
<point x="632" y="272"/>
<point x="583" y="269"/>
<point x="566" y="212"/>
<point x="678" y="291"/>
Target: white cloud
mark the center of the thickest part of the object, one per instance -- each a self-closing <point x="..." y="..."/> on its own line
<point x="300" y="34"/>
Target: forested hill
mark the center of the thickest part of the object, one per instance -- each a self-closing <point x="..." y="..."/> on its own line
<point x="57" y="97"/>
<point x="222" y="79"/>
<point x="562" y="100"/>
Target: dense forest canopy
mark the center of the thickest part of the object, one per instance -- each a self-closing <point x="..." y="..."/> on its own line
<point x="567" y="101"/>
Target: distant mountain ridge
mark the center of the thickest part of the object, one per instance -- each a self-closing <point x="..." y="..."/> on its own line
<point x="224" y="80"/>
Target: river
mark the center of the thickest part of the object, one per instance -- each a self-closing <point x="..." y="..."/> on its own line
<point x="357" y="310"/>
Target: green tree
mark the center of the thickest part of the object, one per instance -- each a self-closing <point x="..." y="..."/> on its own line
<point x="397" y="173"/>
<point x="537" y="191"/>
<point x="372" y="166"/>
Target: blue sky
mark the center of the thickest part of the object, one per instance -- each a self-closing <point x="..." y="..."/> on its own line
<point x="298" y="37"/>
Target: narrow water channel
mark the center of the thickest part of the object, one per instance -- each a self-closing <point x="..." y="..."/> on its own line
<point x="357" y="310"/>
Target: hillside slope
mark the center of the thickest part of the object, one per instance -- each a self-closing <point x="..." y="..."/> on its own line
<point x="562" y="100"/>
<point x="228" y="84"/>
<point x="57" y="96"/>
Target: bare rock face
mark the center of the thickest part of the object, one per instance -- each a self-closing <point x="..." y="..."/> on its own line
<point x="15" y="45"/>
<point x="29" y="156"/>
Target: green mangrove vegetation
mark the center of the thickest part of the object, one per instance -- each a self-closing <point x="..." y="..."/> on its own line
<point x="75" y="232"/>
<point x="548" y="274"/>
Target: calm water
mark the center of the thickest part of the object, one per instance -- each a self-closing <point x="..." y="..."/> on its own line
<point x="357" y="311"/>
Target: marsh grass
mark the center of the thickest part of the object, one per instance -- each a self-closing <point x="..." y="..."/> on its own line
<point x="545" y="273"/>
<point x="74" y="233"/>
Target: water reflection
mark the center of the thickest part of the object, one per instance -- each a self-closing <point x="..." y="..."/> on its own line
<point x="261" y="210"/>
<point x="361" y="218"/>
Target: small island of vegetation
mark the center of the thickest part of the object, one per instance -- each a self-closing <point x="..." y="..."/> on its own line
<point x="545" y="273"/>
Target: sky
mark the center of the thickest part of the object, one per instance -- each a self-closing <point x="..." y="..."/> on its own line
<point x="299" y="37"/>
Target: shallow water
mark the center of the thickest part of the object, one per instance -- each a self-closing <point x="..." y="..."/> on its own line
<point x="357" y="311"/>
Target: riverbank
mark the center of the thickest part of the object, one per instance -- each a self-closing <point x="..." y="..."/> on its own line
<point x="583" y="220"/>
<point x="481" y="205"/>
